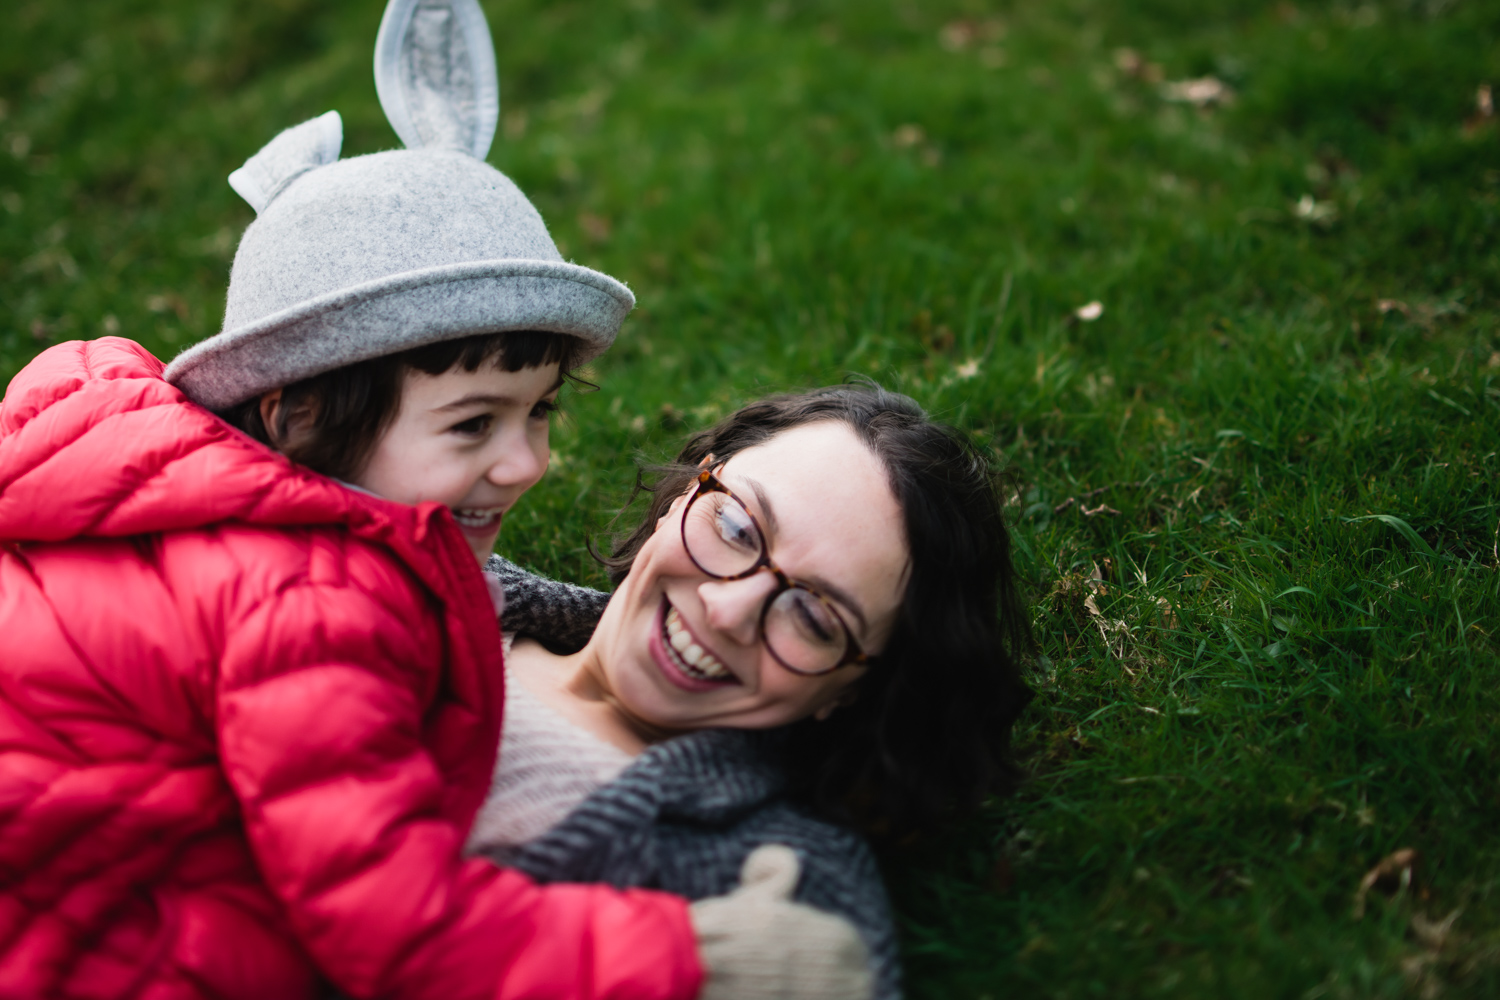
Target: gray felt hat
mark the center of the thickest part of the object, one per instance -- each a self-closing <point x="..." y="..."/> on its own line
<point x="353" y="259"/>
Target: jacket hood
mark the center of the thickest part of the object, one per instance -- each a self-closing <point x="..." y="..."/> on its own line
<point x="93" y="443"/>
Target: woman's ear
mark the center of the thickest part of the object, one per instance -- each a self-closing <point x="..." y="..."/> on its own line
<point x="845" y="697"/>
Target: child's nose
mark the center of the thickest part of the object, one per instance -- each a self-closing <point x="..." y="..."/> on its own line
<point x="732" y="607"/>
<point x="518" y="463"/>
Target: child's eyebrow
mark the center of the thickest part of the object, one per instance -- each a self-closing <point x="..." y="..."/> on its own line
<point x="489" y="399"/>
<point x="476" y="399"/>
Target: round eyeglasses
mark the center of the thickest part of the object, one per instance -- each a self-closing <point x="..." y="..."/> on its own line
<point x="801" y="628"/>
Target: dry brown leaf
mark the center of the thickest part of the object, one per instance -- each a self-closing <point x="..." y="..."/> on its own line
<point x="1392" y="875"/>
<point x="957" y="35"/>
<point x="167" y="303"/>
<point x="1227" y="882"/>
<point x="907" y="135"/>
<point x="1433" y="934"/>
<point x="1310" y="209"/>
<point x="1129" y="62"/>
<point x="595" y="227"/>
<point x="1200" y="93"/>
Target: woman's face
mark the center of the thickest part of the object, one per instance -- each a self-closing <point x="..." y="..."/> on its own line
<point x="822" y="499"/>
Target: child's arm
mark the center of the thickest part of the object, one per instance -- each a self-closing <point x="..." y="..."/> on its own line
<point x="560" y="615"/>
<point x="353" y="824"/>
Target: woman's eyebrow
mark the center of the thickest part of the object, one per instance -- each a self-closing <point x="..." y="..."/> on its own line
<point x="765" y="504"/>
<point x="823" y="586"/>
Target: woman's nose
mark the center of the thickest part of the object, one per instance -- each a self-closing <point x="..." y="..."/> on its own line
<point x="732" y="607"/>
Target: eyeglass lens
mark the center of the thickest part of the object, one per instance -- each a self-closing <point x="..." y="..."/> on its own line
<point x="801" y="629"/>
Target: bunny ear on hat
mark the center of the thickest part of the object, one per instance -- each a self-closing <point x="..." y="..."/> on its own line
<point x="435" y="74"/>
<point x="287" y="157"/>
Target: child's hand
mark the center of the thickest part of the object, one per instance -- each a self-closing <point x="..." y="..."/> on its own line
<point x="757" y="944"/>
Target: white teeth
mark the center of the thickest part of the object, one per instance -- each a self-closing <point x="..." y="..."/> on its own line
<point x="694" y="660"/>
<point x="477" y="517"/>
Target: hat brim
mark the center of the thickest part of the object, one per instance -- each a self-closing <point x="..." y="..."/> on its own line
<point x="400" y="312"/>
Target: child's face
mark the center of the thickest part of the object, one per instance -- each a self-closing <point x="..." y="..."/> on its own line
<point x="474" y="441"/>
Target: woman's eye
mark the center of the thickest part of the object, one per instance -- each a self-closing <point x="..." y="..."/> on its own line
<point x="737" y="529"/>
<point x="543" y="409"/>
<point x="814" y="620"/>
<point x="474" y="426"/>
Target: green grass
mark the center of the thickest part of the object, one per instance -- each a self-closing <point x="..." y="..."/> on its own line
<point x="1290" y="669"/>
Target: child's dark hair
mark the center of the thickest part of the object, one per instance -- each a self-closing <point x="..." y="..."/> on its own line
<point x="929" y="729"/>
<point x="351" y="407"/>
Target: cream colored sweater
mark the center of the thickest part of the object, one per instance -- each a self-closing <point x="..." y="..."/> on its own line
<point x="548" y="765"/>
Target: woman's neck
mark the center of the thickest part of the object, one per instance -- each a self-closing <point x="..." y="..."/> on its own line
<point x="574" y="687"/>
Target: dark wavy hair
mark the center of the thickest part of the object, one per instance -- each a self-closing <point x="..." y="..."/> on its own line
<point x="928" y="731"/>
<point x="352" y="406"/>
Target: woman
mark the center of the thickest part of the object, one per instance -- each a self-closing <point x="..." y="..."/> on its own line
<point x="817" y="620"/>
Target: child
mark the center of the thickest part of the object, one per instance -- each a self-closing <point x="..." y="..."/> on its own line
<point x="249" y="711"/>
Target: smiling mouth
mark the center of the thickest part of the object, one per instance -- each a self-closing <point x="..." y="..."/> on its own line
<point x="688" y="656"/>
<point x="478" y="518"/>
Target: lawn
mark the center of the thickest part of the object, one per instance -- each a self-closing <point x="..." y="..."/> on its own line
<point x="1255" y="501"/>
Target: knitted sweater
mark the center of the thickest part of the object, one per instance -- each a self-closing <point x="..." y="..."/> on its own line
<point x="686" y="813"/>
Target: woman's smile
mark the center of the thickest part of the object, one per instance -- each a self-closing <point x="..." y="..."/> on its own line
<point x="684" y="659"/>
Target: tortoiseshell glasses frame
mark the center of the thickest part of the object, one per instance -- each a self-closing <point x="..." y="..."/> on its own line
<point x="852" y="654"/>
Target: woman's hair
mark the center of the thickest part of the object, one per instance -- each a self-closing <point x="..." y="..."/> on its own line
<point x="928" y="730"/>
<point x="351" y="407"/>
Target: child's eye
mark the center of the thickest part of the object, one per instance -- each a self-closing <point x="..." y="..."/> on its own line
<point x="543" y="408"/>
<point x="474" y="426"/>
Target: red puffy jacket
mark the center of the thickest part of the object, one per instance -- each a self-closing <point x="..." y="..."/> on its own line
<point x="246" y="718"/>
